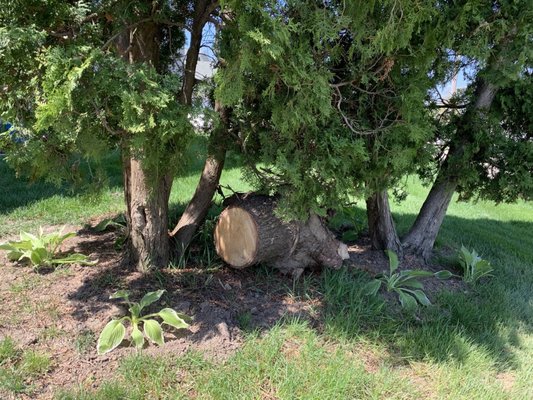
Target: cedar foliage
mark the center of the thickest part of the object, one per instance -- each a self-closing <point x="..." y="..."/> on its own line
<point x="72" y="95"/>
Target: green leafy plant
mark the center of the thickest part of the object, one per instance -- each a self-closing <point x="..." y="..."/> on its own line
<point x="406" y="284"/>
<point x="42" y="250"/>
<point x="474" y="267"/>
<point x="114" y="332"/>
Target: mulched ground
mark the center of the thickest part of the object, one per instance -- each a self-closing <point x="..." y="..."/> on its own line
<point x="61" y="313"/>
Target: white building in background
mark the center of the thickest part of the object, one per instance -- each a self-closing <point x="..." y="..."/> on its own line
<point x="205" y="69"/>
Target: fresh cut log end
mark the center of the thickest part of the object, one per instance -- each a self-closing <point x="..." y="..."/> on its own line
<point x="236" y="237"/>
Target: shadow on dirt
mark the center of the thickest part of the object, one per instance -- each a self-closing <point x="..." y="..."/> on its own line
<point x="227" y="303"/>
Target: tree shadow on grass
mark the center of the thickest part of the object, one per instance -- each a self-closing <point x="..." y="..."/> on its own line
<point x="482" y="321"/>
<point x="19" y="192"/>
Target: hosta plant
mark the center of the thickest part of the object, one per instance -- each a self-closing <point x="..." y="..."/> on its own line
<point x="474" y="267"/>
<point x="406" y="284"/>
<point x="42" y="250"/>
<point x="115" y="331"/>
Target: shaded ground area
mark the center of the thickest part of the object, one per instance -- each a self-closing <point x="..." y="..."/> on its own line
<point x="61" y="313"/>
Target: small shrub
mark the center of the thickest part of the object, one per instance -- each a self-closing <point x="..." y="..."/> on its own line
<point x="406" y="284"/>
<point x="41" y="251"/>
<point x="474" y="267"/>
<point x="114" y="332"/>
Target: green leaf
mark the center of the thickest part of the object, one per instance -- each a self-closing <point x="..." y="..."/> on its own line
<point x="393" y="260"/>
<point x="421" y="297"/>
<point x="137" y="337"/>
<point x="407" y="301"/>
<point x="135" y="310"/>
<point x="413" y="283"/>
<point x="172" y="318"/>
<point x="120" y="294"/>
<point x="444" y="274"/>
<point x="14" y="255"/>
<point x="111" y="336"/>
<point x="372" y="287"/>
<point x="39" y="256"/>
<point x="467" y="257"/>
<point x="66" y="236"/>
<point x="416" y="273"/>
<point x="28" y="237"/>
<point x="75" y="258"/>
<point x="150" y="298"/>
<point x="105" y="224"/>
<point x="153" y="331"/>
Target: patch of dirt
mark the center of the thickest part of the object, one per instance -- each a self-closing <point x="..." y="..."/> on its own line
<point x="507" y="380"/>
<point x="61" y="313"/>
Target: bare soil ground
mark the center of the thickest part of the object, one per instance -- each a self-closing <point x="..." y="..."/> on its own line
<point x="62" y="312"/>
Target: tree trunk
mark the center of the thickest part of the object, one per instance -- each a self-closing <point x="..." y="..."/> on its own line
<point x="421" y="237"/>
<point x="248" y="232"/>
<point x="147" y="216"/>
<point x="196" y="211"/>
<point x="381" y="226"/>
<point x="146" y="195"/>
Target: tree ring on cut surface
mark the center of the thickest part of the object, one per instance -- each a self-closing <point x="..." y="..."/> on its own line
<point x="236" y="237"/>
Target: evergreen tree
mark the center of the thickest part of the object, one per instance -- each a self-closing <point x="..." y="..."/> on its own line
<point x="81" y="78"/>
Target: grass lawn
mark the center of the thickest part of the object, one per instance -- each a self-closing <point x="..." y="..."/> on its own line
<point x="472" y="344"/>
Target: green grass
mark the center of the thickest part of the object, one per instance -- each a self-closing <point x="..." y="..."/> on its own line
<point x="24" y="205"/>
<point x="18" y="367"/>
<point x="476" y="344"/>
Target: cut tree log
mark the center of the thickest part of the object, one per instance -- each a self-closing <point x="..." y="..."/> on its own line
<point x="248" y="232"/>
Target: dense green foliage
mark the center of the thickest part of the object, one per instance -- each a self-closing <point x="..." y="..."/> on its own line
<point x="328" y="94"/>
<point x="340" y="98"/>
<point x="72" y="96"/>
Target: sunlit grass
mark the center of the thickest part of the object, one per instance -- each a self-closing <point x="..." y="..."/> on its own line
<point x="472" y="344"/>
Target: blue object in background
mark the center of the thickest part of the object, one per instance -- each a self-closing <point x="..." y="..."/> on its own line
<point x="7" y="127"/>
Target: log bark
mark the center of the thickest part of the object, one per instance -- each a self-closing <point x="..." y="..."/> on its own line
<point x="381" y="227"/>
<point x="248" y="232"/>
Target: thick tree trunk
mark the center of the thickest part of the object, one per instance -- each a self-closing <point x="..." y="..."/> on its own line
<point x="147" y="216"/>
<point x="146" y="195"/>
<point x="381" y="226"/>
<point x="248" y="232"/>
<point x="421" y="237"/>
